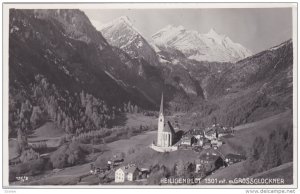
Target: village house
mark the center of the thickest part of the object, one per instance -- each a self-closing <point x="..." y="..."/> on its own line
<point x="234" y="158"/>
<point x="126" y="173"/>
<point x="209" y="161"/>
<point x="210" y="134"/>
<point x="116" y="161"/>
<point x="206" y="143"/>
<point x="206" y="162"/>
<point x="144" y="173"/>
<point x="223" y="131"/>
<point x="216" y="131"/>
<point x="216" y="143"/>
<point x="203" y="141"/>
<point x="98" y="170"/>
<point x="196" y="133"/>
<point x="188" y="140"/>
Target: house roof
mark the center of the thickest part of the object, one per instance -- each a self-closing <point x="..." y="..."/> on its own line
<point x="210" y="132"/>
<point x="196" y="132"/>
<point x="205" y="140"/>
<point x="208" y="157"/>
<point x="187" y="136"/>
<point x="128" y="169"/>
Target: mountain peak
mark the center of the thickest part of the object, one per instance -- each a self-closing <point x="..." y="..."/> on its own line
<point x="120" y="21"/>
<point x="121" y="33"/>
<point x="178" y="28"/>
<point x="167" y="32"/>
<point x="125" y="19"/>
<point x="212" y="31"/>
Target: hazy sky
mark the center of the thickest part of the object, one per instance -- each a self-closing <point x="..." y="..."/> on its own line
<point x="257" y="28"/>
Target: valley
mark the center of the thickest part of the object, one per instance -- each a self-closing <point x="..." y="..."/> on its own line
<point x="136" y="150"/>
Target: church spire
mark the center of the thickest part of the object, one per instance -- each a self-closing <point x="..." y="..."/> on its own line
<point x="161" y="111"/>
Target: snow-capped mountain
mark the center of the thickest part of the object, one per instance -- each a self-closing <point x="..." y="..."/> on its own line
<point x="201" y="47"/>
<point x="122" y="34"/>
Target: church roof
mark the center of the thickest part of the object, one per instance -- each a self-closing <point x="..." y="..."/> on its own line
<point x="169" y="128"/>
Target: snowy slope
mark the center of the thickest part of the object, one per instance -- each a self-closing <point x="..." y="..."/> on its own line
<point x="201" y="47"/>
<point x="122" y="34"/>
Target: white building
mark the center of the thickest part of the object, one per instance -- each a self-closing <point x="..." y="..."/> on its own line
<point x="216" y="142"/>
<point x="126" y="173"/>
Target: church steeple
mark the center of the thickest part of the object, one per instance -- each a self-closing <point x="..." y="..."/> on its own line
<point x="161" y="110"/>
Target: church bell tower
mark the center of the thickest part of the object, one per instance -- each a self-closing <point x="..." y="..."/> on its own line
<point x="161" y="119"/>
<point x="161" y="122"/>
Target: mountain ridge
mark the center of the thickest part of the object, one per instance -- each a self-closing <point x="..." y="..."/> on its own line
<point x="121" y="33"/>
<point x="201" y="47"/>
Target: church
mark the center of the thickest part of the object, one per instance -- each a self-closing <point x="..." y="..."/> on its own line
<point x="165" y="132"/>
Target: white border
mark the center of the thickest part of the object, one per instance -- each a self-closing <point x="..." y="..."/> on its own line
<point x="75" y="5"/>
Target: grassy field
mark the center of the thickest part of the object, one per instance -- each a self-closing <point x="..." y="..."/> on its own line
<point x="284" y="171"/>
<point x="263" y="122"/>
<point x="245" y="134"/>
<point x="79" y="174"/>
<point x="230" y="172"/>
<point x="136" y="120"/>
<point x="47" y="131"/>
<point x="57" y="180"/>
<point x="74" y="173"/>
<point x="243" y="140"/>
<point x="136" y="150"/>
<point x="146" y="157"/>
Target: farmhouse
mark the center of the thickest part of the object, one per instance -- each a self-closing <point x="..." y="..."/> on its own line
<point x="126" y="173"/>
<point x="115" y="161"/>
<point x="188" y="140"/>
<point x="206" y="143"/>
<point x="209" y="161"/>
<point x="206" y="162"/>
<point x="216" y="131"/>
<point x="210" y="134"/>
<point x="223" y="131"/>
<point x="144" y="173"/>
<point x="98" y="170"/>
<point x="203" y="141"/>
<point x="196" y="133"/>
<point x="215" y="143"/>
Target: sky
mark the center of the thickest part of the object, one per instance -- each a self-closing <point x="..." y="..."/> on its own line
<point x="255" y="28"/>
